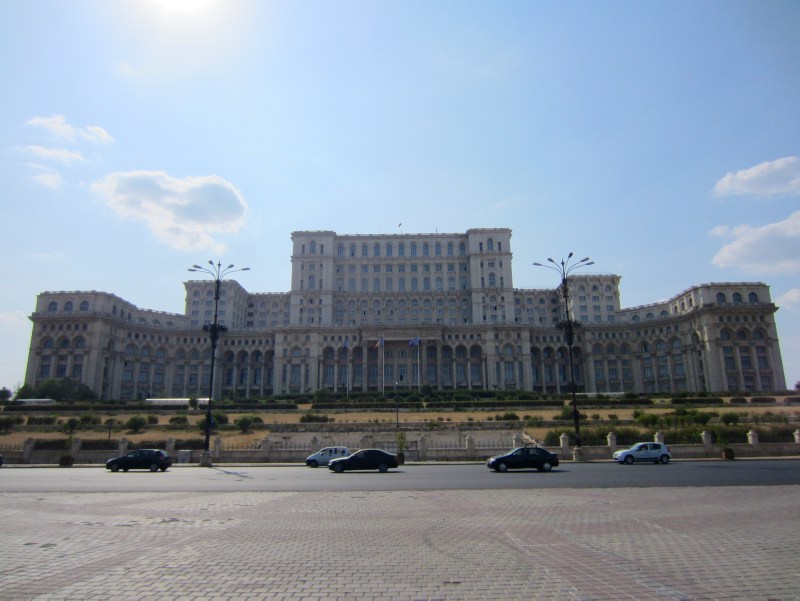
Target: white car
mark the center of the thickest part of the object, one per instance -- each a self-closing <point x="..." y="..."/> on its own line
<point x="644" y="451"/>
<point x="323" y="456"/>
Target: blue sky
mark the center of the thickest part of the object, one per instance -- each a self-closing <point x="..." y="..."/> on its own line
<point x="662" y="139"/>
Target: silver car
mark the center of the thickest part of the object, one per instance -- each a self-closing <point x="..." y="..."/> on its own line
<point x="644" y="451"/>
<point x="323" y="456"/>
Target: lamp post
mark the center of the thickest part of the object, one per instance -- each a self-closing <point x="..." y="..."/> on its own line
<point x="564" y="269"/>
<point x="214" y="329"/>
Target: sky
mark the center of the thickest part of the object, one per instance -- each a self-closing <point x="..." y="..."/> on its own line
<point x="137" y="138"/>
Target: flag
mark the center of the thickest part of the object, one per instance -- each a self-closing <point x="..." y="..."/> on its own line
<point x="400" y="225"/>
<point x="345" y="344"/>
<point x="414" y="341"/>
<point x="379" y="344"/>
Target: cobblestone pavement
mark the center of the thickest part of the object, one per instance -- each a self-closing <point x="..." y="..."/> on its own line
<point x="588" y="544"/>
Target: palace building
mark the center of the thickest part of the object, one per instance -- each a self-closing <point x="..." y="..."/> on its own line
<point x="395" y="311"/>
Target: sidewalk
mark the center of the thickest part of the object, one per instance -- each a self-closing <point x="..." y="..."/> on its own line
<point x="588" y="544"/>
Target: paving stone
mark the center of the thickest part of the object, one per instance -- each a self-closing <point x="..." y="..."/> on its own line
<point x="589" y="544"/>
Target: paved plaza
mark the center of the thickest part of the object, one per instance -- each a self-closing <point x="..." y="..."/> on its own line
<point x="588" y="544"/>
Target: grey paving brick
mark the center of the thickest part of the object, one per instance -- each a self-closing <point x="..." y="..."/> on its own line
<point x="592" y="545"/>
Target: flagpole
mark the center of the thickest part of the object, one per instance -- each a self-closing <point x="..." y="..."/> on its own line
<point x="383" y="366"/>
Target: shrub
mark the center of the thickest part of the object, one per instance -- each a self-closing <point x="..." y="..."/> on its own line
<point x="136" y="423"/>
<point x="244" y="423"/>
<point x="310" y="417"/>
<point x="730" y="418"/>
<point x="89" y="419"/>
<point x="179" y="420"/>
<point x="152" y="419"/>
<point x="507" y="416"/>
<point x="41" y="420"/>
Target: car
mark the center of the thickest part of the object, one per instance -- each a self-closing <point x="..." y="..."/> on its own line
<point x="1" y="461"/>
<point x="656" y="452"/>
<point x="364" y="459"/>
<point x="323" y="456"/>
<point x="524" y="458"/>
<point x="141" y="459"/>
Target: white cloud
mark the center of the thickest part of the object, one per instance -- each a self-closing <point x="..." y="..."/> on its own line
<point x="57" y="126"/>
<point x="789" y="299"/>
<point x="13" y="318"/>
<point x="46" y="176"/>
<point x="52" y="180"/>
<point x="773" y="248"/>
<point x="59" y="155"/>
<point x="772" y="178"/>
<point x="183" y="213"/>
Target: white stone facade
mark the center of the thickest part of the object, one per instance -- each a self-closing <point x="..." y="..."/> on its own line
<point x="453" y="293"/>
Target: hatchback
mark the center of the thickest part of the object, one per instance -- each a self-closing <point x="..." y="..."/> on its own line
<point x="323" y="456"/>
<point x="644" y="451"/>
<point x="141" y="459"/>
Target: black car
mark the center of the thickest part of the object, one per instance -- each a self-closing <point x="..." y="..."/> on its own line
<point x="365" y="459"/>
<point x="524" y="458"/>
<point x="141" y="459"/>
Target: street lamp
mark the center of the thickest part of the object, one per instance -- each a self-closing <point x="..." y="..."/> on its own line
<point x="214" y="329"/>
<point x="564" y="269"/>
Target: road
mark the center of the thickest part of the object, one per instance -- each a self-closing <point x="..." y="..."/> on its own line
<point x="471" y="476"/>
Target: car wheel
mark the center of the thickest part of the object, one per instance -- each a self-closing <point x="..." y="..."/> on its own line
<point x="664" y="459"/>
<point x="312" y="464"/>
<point x="125" y="469"/>
<point x="546" y="467"/>
<point x="502" y="467"/>
<point x="629" y="459"/>
<point x="338" y="468"/>
<point x="115" y="468"/>
<point x="164" y="468"/>
<point x="153" y="467"/>
<point x="383" y="467"/>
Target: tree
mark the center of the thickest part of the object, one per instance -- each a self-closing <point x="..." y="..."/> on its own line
<point x="5" y="394"/>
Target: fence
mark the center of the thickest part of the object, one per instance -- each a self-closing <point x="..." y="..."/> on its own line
<point x="421" y="446"/>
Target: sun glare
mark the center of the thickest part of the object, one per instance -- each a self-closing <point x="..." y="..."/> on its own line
<point x="182" y="6"/>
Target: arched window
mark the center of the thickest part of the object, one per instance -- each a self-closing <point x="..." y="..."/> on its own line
<point x="340" y="250"/>
<point x="490" y="245"/>
<point x="376" y="250"/>
<point x="462" y="249"/>
<point x="752" y="297"/>
<point x="449" y="249"/>
<point x="352" y="250"/>
<point x="737" y="298"/>
<point x="389" y="250"/>
<point x="52" y="307"/>
<point x="413" y="249"/>
<point x="437" y="250"/>
<point x="426" y="249"/>
<point x="313" y="247"/>
<point x="84" y="306"/>
<point x="492" y="282"/>
<point x="68" y="307"/>
<point x="720" y="298"/>
<point x="364" y="250"/>
<point x="401" y="249"/>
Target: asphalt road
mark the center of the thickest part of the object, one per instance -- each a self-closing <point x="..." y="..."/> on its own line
<point x="471" y="476"/>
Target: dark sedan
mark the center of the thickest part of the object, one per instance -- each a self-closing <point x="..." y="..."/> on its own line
<point x="524" y="458"/>
<point x="365" y="459"/>
<point x="141" y="459"/>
